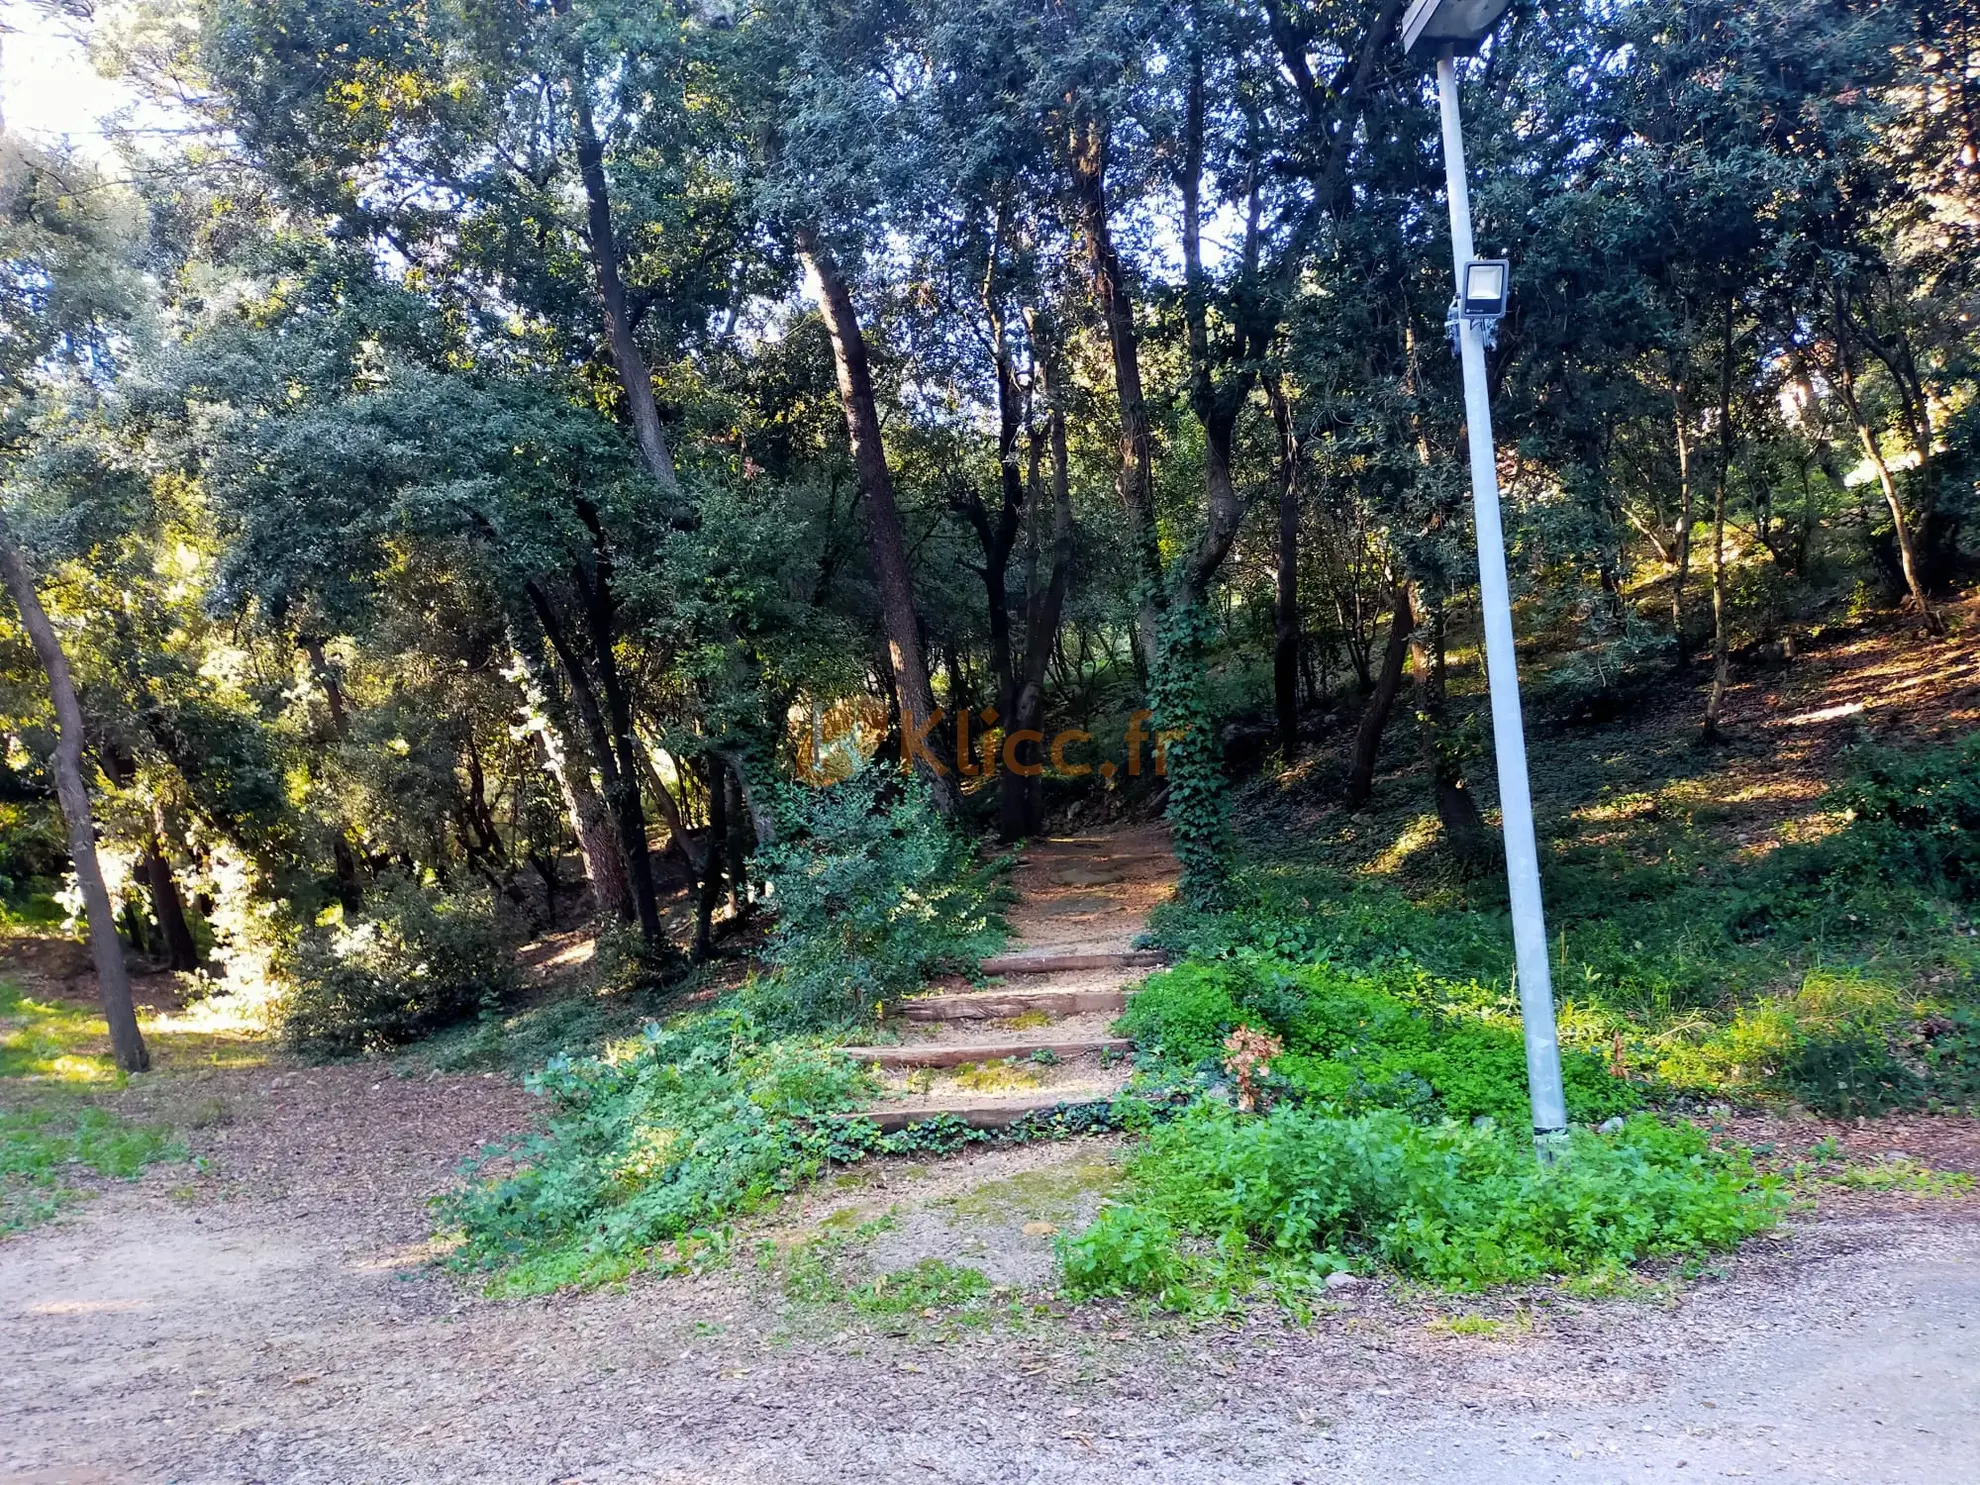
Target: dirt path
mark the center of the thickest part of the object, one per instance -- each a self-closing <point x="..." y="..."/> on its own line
<point x="275" y="1322"/>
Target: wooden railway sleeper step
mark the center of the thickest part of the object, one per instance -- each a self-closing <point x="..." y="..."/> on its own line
<point x="952" y="1054"/>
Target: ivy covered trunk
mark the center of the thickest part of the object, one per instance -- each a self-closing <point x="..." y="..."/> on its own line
<point x="1198" y="809"/>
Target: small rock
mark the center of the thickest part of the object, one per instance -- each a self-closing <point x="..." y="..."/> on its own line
<point x="1611" y="1125"/>
<point x="1342" y="1280"/>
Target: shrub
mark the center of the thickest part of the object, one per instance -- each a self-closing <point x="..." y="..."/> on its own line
<point x="687" y="1127"/>
<point x="1353" y="1043"/>
<point x="1218" y="1197"/>
<point x="415" y="961"/>
<point x="873" y="892"/>
<point x="1917" y="815"/>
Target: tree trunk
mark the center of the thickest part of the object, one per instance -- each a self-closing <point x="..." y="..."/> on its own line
<point x="1375" y="720"/>
<point x="1682" y="562"/>
<point x="1135" y="479"/>
<point x="168" y="908"/>
<point x="1045" y="610"/>
<point x="1907" y="546"/>
<point x="711" y="878"/>
<point x="350" y="890"/>
<point x="670" y="814"/>
<point x="622" y="781"/>
<point x="1721" y="645"/>
<point x="635" y="379"/>
<point x="1457" y="807"/>
<point x="590" y="820"/>
<point x="113" y="984"/>
<point x="738" y="843"/>
<point x="1285" y="629"/>
<point x="883" y="521"/>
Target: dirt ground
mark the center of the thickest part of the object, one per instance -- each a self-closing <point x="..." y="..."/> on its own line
<point x="276" y="1318"/>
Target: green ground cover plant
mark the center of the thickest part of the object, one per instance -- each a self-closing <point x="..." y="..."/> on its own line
<point x="45" y="1148"/>
<point x="1356" y="1042"/>
<point x="1221" y="1205"/>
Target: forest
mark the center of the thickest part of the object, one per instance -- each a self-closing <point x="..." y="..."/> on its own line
<point x="611" y="544"/>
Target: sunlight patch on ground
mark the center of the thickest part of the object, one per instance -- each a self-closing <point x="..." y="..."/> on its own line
<point x="1418" y="835"/>
<point x="1826" y="714"/>
<point x="86" y="1307"/>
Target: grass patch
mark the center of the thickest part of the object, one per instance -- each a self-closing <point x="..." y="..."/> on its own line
<point x="44" y="1150"/>
<point x="53" y="1040"/>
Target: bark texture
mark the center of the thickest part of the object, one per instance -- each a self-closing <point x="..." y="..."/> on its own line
<point x="113" y="983"/>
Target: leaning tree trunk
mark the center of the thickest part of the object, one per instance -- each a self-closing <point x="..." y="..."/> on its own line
<point x="113" y="983"/>
<point x="635" y="379"/>
<point x="883" y="521"/>
<point x="1375" y="720"/>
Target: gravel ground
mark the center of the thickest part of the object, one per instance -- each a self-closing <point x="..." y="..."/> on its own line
<point x="275" y="1319"/>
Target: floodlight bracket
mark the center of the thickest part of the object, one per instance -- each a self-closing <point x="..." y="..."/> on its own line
<point x="1455" y="319"/>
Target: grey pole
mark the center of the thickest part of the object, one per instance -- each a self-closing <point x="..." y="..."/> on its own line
<point x="1536" y="986"/>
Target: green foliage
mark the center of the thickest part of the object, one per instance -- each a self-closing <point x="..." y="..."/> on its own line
<point x="874" y="891"/>
<point x="1851" y="1075"/>
<point x="681" y="1131"/>
<point x="1358" y="1042"/>
<point x="42" y="1147"/>
<point x="1221" y="1201"/>
<point x="1916" y="815"/>
<point x="1950" y="1052"/>
<point x="417" y="960"/>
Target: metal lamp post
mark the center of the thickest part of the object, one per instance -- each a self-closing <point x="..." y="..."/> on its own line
<point x="1454" y="26"/>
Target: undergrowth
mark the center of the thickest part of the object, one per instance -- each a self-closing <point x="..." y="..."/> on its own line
<point x="874" y="892"/>
<point x="1356" y="1042"/>
<point x="1222" y="1206"/>
<point x="1699" y="968"/>
<point x="646" y="1155"/>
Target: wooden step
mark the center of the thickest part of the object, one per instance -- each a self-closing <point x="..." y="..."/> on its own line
<point x="976" y="1115"/>
<point x="1047" y="964"/>
<point x="936" y="1054"/>
<point x="996" y="1005"/>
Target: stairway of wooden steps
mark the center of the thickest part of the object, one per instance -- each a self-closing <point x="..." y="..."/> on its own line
<point x="963" y="1054"/>
<point x="974" y="1055"/>
<point x="999" y="1005"/>
<point x="982" y="1114"/>
<point x="1052" y="964"/>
